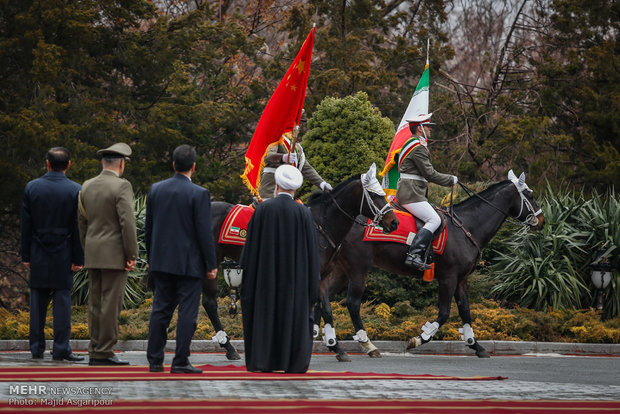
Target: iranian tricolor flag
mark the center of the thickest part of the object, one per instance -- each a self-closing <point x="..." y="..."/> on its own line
<point x="418" y="105"/>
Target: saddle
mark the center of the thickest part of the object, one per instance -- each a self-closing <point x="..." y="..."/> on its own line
<point x="407" y="230"/>
<point x="439" y="211"/>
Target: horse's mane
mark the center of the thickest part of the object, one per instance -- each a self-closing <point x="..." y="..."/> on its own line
<point x="483" y="194"/>
<point x="316" y="196"/>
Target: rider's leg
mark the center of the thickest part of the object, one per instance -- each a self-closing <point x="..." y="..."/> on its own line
<point x="425" y="212"/>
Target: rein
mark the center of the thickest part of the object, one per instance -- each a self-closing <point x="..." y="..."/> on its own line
<point x="530" y="220"/>
<point x="379" y="213"/>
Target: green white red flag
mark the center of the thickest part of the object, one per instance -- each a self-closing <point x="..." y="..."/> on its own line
<point x="281" y="115"/>
<point x="417" y="105"/>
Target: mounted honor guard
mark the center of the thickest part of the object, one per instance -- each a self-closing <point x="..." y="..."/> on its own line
<point x="416" y="171"/>
<point x="288" y="151"/>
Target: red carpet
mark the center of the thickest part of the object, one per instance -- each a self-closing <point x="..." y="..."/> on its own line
<point x="167" y="406"/>
<point x="210" y="372"/>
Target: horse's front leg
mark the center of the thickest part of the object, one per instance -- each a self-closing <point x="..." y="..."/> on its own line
<point x="446" y="291"/>
<point x="468" y="333"/>
<point x="354" y="300"/>
<point x="209" y="303"/>
<point x="316" y="311"/>
<point x="329" y="333"/>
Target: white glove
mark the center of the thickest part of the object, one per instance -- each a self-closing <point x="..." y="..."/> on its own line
<point x="325" y="186"/>
<point x="290" y="158"/>
<point x="455" y="179"/>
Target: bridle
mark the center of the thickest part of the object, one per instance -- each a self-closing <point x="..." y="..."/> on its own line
<point x="379" y="213"/>
<point x="530" y="220"/>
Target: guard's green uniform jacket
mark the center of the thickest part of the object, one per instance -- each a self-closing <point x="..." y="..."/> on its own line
<point x="417" y="163"/>
<point x="107" y="223"/>
<point x="273" y="160"/>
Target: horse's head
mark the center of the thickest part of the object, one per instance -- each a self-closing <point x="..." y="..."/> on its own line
<point x="526" y="210"/>
<point x="375" y="205"/>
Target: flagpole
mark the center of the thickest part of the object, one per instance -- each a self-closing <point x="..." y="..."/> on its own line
<point x="428" y="48"/>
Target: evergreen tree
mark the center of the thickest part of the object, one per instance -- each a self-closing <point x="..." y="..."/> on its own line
<point x="373" y="46"/>
<point x="580" y="86"/>
<point x="345" y="136"/>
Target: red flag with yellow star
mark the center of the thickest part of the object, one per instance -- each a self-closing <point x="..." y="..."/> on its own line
<point x="281" y="115"/>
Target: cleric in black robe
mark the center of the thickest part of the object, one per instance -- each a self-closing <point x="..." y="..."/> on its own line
<point x="280" y="281"/>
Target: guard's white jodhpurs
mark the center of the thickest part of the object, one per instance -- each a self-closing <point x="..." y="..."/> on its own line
<point x="425" y="212"/>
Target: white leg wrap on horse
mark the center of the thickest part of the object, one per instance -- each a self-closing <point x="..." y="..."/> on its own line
<point x="429" y="329"/>
<point x="220" y="337"/>
<point x="468" y="334"/>
<point x="329" y="335"/>
<point x="315" y="331"/>
<point x="361" y="336"/>
<point x="368" y="346"/>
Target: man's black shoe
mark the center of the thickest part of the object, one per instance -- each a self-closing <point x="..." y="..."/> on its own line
<point x="107" y="361"/>
<point x="37" y="356"/>
<point x="71" y="357"/>
<point x="185" y="369"/>
<point x="156" y="368"/>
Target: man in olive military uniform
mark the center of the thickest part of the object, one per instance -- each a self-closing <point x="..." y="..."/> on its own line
<point x="278" y="155"/>
<point x="108" y="235"/>
<point x="416" y="171"/>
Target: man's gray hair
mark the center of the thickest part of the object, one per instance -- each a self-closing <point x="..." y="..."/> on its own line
<point x="112" y="162"/>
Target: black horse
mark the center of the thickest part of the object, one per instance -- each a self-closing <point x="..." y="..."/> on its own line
<point x="471" y="225"/>
<point x="334" y="213"/>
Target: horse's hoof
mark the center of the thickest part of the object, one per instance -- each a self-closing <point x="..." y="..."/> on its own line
<point x="233" y="355"/>
<point x="344" y="357"/>
<point x="414" y="343"/>
<point x="483" y="354"/>
<point x="374" y="354"/>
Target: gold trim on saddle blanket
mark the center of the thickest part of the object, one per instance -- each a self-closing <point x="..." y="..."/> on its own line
<point x="404" y="234"/>
<point x="235" y="226"/>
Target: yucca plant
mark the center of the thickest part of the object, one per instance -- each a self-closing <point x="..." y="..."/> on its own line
<point x="550" y="268"/>
<point x="601" y="218"/>
<point x="135" y="291"/>
<point x="543" y="269"/>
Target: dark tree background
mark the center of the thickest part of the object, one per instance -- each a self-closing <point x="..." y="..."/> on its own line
<point x="532" y="85"/>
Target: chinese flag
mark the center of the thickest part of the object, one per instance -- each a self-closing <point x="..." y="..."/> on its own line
<point x="282" y="113"/>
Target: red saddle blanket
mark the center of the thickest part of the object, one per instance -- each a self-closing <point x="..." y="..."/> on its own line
<point x="235" y="227"/>
<point x="405" y="233"/>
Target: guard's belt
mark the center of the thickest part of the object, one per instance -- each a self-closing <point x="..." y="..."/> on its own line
<point x="413" y="177"/>
<point x="269" y="170"/>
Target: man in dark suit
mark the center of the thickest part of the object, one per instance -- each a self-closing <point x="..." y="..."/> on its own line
<point x="181" y="252"/>
<point x="50" y="248"/>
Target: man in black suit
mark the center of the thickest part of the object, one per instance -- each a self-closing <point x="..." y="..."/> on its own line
<point x="181" y="252"/>
<point x="50" y="248"/>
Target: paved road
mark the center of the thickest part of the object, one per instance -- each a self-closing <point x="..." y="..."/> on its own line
<point x="543" y="376"/>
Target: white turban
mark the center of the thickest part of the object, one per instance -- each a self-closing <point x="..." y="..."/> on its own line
<point x="288" y="177"/>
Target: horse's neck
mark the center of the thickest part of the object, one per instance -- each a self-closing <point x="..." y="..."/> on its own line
<point x="483" y="220"/>
<point x="333" y="220"/>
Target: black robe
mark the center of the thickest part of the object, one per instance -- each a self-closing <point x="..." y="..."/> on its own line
<point x="280" y="285"/>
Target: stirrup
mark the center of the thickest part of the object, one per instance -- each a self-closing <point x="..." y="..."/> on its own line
<point x="419" y="264"/>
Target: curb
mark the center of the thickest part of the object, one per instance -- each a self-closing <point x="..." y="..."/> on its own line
<point x="433" y="347"/>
